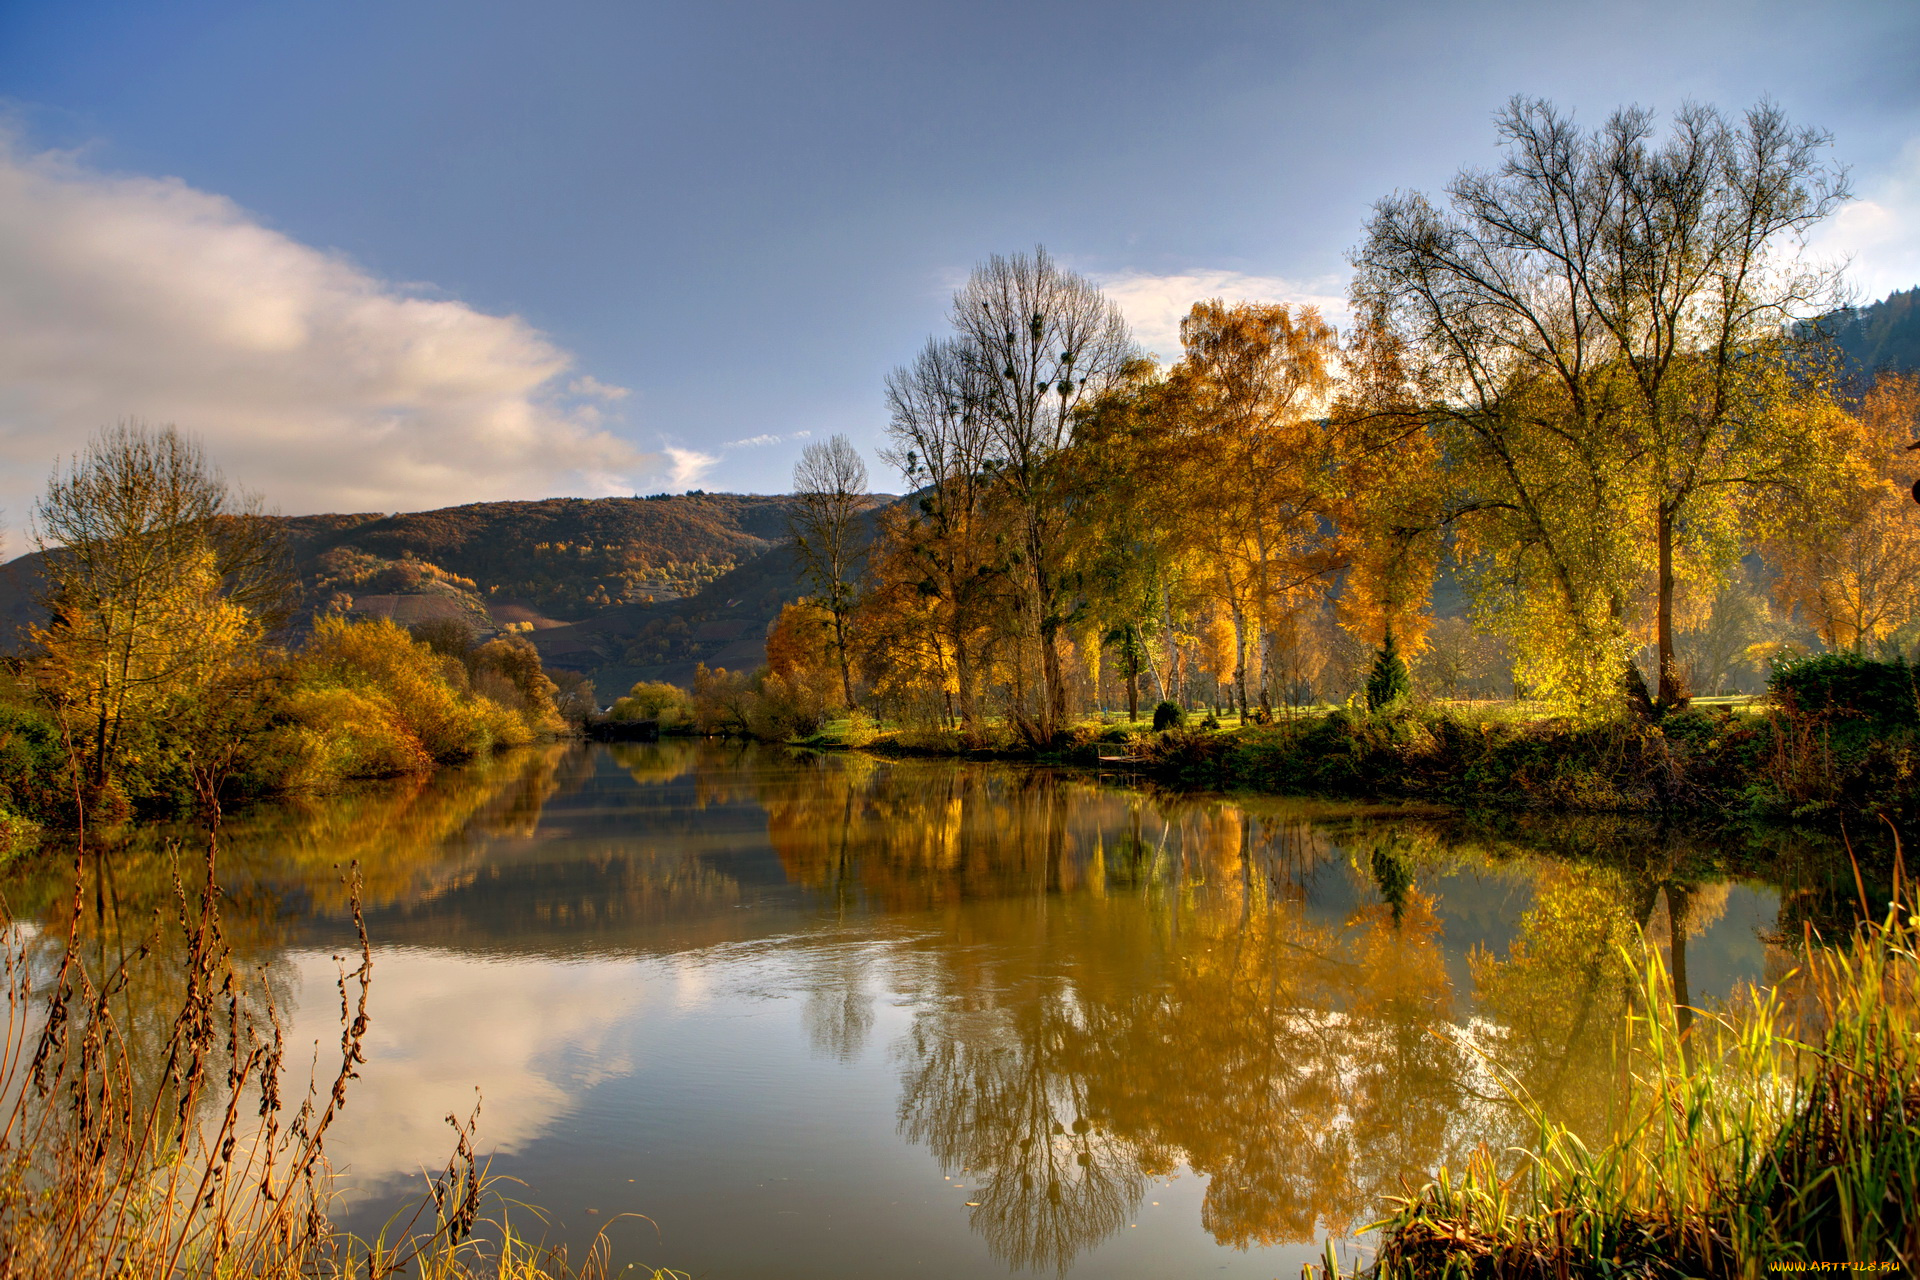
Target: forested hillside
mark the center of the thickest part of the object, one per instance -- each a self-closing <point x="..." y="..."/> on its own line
<point x="1881" y="335"/>
<point x="618" y="589"/>
<point x="567" y="558"/>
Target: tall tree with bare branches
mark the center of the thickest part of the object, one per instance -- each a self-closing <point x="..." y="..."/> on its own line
<point x="830" y="488"/>
<point x="941" y="445"/>
<point x="1039" y="342"/>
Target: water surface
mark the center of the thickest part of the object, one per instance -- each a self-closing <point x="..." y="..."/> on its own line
<point x="838" y="1017"/>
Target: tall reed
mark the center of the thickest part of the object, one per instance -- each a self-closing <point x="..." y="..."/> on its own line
<point x="1781" y="1130"/>
<point x="142" y="1148"/>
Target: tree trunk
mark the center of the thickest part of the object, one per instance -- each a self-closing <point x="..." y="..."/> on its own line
<point x="1670" y="694"/>
<point x="1172" y="669"/>
<point x="1133" y="685"/>
<point x="1053" y="714"/>
<point x="840" y="644"/>
<point x="1239" y="658"/>
<point x="963" y="676"/>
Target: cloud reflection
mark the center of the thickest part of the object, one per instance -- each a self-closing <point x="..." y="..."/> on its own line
<point x="529" y="1034"/>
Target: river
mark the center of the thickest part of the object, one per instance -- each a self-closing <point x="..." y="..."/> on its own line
<point x="833" y="1016"/>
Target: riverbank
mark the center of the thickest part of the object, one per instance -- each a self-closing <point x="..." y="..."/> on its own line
<point x="1737" y="761"/>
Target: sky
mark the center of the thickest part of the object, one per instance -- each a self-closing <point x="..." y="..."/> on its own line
<point x="399" y="255"/>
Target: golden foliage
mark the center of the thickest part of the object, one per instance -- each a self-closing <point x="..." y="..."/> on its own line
<point x="1853" y="565"/>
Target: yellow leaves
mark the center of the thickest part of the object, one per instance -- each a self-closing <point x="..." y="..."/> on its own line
<point x="1851" y="561"/>
<point x="129" y="656"/>
<point x="339" y="733"/>
<point x="381" y="661"/>
<point x="1217" y="645"/>
<point x="800" y="645"/>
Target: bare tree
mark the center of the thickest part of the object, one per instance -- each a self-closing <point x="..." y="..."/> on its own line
<point x="1040" y="342"/>
<point x="941" y="443"/>
<point x="830" y="483"/>
<point x="1597" y="326"/>
<point x="153" y="569"/>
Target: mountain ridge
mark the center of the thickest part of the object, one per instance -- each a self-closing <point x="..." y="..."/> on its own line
<point x="615" y="589"/>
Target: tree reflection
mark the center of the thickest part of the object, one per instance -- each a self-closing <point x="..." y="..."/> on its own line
<point x="1208" y="1021"/>
<point x="1109" y="986"/>
<point x="284" y="861"/>
<point x="1137" y="984"/>
<point x="1144" y="982"/>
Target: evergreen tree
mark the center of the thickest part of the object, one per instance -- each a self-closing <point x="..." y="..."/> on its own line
<point x="1388" y="682"/>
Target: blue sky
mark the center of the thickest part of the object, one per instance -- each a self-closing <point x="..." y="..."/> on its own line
<point x="396" y="255"/>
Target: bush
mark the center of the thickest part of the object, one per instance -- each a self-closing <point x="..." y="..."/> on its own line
<point x="783" y="709"/>
<point x="333" y="733"/>
<point x="723" y="700"/>
<point x="385" y="662"/>
<point x="32" y="761"/>
<point x="508" y="672"/>
<point x="366" y="699"/>
<point x="1847" y="686"/>
<point x="1168" y="715"/>
<point x="656" y="700"/>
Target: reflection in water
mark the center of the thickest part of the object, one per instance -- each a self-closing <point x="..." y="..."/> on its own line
<point x="1189" y="1009"/>
<point x="1126" y="985"/>
<point x="1083" y="991"/>
<point x="548" y="1033"/>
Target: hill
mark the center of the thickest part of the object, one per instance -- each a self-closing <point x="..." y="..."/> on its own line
<point x="565" y="558"/>
<point x="617" y="589"/>
<point x="1881" y="335"/>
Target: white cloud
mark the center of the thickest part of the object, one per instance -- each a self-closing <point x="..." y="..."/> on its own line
<point x="307" y="379"/>
<point x="1154" y="305"/>
<point x="587" y="385"/>
<point x="1879" y="234"/>
<point x="684" y="466"/>
<point x="762" y="440"/>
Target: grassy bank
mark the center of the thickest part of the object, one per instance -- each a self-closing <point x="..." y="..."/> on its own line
<point x="1779" y="1133"/>
<point x="1803" y="754"/>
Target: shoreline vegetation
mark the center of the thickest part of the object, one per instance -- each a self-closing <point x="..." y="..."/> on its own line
<point x="173" y="672"/>
<point x="1836" y="738"/>
<point x="1779" y="1132"/>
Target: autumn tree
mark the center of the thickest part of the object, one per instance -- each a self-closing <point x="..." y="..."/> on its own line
<point x="1038" y="342"/>
<point x="830" y="488"/>
<point x="1252" y="491"/>
<point x="156" y="576"/>
<point x="1393" y="493"/>
<point x="949" y="550"/>
<point x="1125" y="555"/>
<point x="1852" y="565"/>
<point x="1597" y="329"/>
